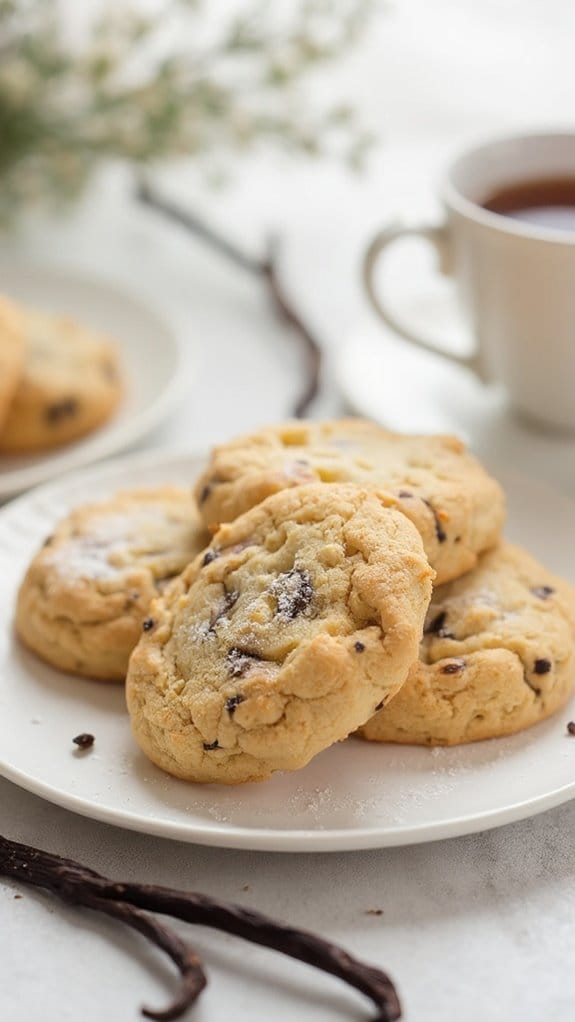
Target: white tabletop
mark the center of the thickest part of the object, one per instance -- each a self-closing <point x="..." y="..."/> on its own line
<point x="474" y="928"/>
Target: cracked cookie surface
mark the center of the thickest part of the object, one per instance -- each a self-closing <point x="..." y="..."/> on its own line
<point x="86" y="594"/>
<point x="497" y="656"/>
<point x="11" y="354"/>
<point x="70" y="384"/>
<point x="457" y="508"/>
<point x="303" y="616"/>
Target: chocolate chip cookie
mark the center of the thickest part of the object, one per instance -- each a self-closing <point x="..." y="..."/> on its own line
<point x="302" y="617"/>
<point x="86" y="594"/>
<point x="497" y="656"/>
<point x="70" y="384"/>
<point x="11" y="354"/>
<point x="457" y="508"/>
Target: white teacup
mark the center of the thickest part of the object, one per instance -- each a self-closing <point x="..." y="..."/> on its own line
<point x="515" y="280"/>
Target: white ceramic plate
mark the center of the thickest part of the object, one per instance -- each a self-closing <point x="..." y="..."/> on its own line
<point x="355" y="795"/>
<point x="152" y="355"/>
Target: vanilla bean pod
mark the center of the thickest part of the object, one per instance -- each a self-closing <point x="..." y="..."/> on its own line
<point x="82" y="886"/>
<point x="266" y="268"/>
<point x="193" y="977"/>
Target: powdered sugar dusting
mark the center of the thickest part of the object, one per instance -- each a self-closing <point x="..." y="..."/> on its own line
<point x="105" y="550"/>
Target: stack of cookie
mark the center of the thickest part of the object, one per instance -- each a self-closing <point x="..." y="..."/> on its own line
<point x="58" y="380"/>
<point x="355" y="581"/>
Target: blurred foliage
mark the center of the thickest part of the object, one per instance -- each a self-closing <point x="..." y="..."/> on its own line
<point x="146" y="87"/>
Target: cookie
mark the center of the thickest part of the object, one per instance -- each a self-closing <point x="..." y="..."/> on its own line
<point x="70" y="384"/>
<point x="303" y="616"/>
<point x="86" y="594"/>
<point x="497" y="656"/>
<point x="456" y="507"/>
<point x="11" y="354"/>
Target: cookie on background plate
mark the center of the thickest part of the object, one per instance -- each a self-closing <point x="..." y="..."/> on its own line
<point x="303" y="616"/>
<point x="457" y="508"/>
<point x="86" y="594"/>
<point x="70" y="384"/>
<point x="498" y="655"/>
<point x="11" y="354"/>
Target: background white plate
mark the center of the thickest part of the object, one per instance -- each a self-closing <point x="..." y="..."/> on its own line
<point x="355" y="795"/>
<point x="152" y="356"/>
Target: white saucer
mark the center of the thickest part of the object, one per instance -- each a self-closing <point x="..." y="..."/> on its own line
<point x="355" y="795"/>
<point x="152" y="355"/>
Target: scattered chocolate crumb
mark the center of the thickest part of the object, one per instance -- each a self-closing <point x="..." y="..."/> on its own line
<point x="374" y="911"/>
<point x="405" y="495"/>
<point x="542" y="666"/>
<point x="17" y="897"/>
<point x="379" y="706"/>
<point x="84" y="741"/>
<point x="48" y="541"/>
<point x="439" y="530"/>
<point x="208" y="746"/>
<point x="359" y="647"/>
<point x="246" y="887"/>
<point x="571" y="727"/>
<point x="205" y="494"/>
<point x="148" y="624"/>
<point x="209" y="556"/>
<point x="543" y="592"/>
<point x="233" y="702"/>
<point x="61" y="410"/>
<point x="457" y="539"/>
<point x="453" y="667"/>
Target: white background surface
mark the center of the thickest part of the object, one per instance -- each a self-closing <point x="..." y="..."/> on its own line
<point x="479" y="927"/>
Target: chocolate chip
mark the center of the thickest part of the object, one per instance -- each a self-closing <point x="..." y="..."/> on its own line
<point x="205" y="494"/>
<point x="240" y="661"/>
<point x="358" y="647"/>
<point x="435" y="626"/>
<point x="543" y="592"/>
<point x="61" y="410"/>
<point x="453" y="667"/>
<point x="293" y="591"/>
<point x="148" y="623"/>
<point x="230" y="599"/>
<point x="233" y="702"/>
<point x="209" y="556"/>
<point x="542" y="666"/>
<point x="439" y="530"/>
<point x="209" y="746"/>
<point x="84" y="741"/>
<point x="571" y="727"/>
<point x="379" y="706"/>
<point x="405" y="495"/>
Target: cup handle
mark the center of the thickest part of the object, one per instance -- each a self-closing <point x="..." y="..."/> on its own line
<point x="437" y="235"/>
